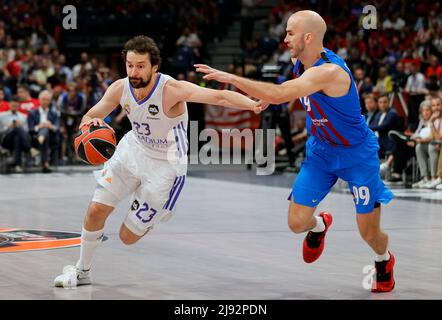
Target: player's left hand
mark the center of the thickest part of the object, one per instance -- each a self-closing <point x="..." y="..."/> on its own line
<point x="260" y="106"/>
<point x="214" y="74"/>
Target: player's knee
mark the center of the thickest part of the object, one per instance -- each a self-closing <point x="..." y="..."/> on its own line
<point x="297" y="225"/>
<point x="98" y="212"/>
<point x="370" y="235"/>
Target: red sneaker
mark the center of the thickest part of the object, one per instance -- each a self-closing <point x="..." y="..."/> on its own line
<point x="384" y="280"/>
<point x="314" y="241"/>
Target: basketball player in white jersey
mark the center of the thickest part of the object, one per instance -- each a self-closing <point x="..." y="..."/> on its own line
<point x="150" y="162"/>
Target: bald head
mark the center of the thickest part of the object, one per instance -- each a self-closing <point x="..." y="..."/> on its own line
<point x="307" y="21"/>
<point x="305" y="33"/>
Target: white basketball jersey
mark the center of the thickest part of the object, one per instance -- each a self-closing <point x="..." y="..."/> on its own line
<point x="162" y="137"/>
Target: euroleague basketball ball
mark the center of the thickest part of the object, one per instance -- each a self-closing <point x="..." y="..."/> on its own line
<point x="95" y="144"/>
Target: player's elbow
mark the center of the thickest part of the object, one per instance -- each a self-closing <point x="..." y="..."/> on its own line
<point x="278" y="96"/>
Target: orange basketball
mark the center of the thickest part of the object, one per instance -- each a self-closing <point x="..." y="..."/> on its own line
<point x="95" y="144"/>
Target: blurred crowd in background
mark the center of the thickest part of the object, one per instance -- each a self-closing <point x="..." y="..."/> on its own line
<point x="47" y="84"/>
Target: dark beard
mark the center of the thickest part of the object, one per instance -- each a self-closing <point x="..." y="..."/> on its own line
<point x="139" y="83"/>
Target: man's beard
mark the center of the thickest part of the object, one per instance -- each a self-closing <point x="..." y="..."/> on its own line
<point x="138" y="83"/>
<point x="298" y="50"/>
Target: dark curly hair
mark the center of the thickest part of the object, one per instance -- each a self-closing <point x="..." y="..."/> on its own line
<point x="143" y="45"/>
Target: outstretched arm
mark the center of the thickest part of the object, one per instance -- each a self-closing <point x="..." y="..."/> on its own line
<point x="177" y="91"/>
<point x="312" y="80"/>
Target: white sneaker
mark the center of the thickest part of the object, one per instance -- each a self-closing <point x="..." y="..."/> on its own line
<point x="419" y="184"/>
<point x="432" y="184"/>
<point x="439" y="187"/>
<point x="72" y="277"/>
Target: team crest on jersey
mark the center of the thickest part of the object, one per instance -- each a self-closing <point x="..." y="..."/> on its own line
<point x="153" y="109"/>
<point x="16" y="240"/>
<point x="135" y="205"/>
<point x="127" y="108"/>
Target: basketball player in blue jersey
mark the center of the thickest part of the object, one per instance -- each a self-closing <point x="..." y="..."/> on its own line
<point x="150" y="161"/>
<point x="340" y="143"/>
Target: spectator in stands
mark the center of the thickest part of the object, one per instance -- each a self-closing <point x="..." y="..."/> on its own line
<point x="399" y="78"/>
<point x="71" y="104"/>
<point x="43" y="72"/>
<point x="405" y="146"/>
<point x="394" y="22"/>
<point x="416" y="89"/>
<point x="367" y="86"/>
<point x="385" y="120"/>
<point x="191" y="40"/>
<point x="43" y="125"/>
<point x="371" y="105"/>
<point x="64" y="68"/>
<point x="14" y="133"/>
<point x="4" y="105"/>
<point x="359" y="81"/>
<point x="434" y="147"/>
<point x="83" y="66"/>
<point x="384" y="83"/>
<point x="427" y="155"/>
<point x="58" y="78"/>
<point x="275" y="29"/>
<point x="433" y="69"/>
<point x="27" y="103"/>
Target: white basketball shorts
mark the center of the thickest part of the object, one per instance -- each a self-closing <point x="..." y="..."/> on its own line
<point x="155" y="184"/>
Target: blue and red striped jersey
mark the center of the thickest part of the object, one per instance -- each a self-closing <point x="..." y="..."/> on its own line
<point x="335" y="121"/>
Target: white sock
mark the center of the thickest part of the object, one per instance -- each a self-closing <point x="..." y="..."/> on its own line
<point x="320" y="226"/>
<point x="89" y="242"/>
<point x="383" y="257"/>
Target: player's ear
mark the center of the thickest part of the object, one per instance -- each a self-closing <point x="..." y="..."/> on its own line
<point x="308" y="37"/>
<point x="155" y="69"/>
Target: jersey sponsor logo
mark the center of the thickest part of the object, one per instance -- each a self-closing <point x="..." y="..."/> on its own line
<point x="17" y="240"/>
<point x="153" y="109"/>
<point x="155" y="143"/>
<point x="320" y="122"/>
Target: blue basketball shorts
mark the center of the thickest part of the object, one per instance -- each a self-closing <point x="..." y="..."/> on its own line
<point x="316" y="179"/>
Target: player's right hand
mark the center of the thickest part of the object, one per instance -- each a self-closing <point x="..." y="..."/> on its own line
<point x="96" y="122"/>
<point x="214" y="74"/>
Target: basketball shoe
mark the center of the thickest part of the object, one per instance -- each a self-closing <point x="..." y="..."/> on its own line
<point x="72" y="277"/>
<point x="314" y="241"/>
<point x="384" y="280"/>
